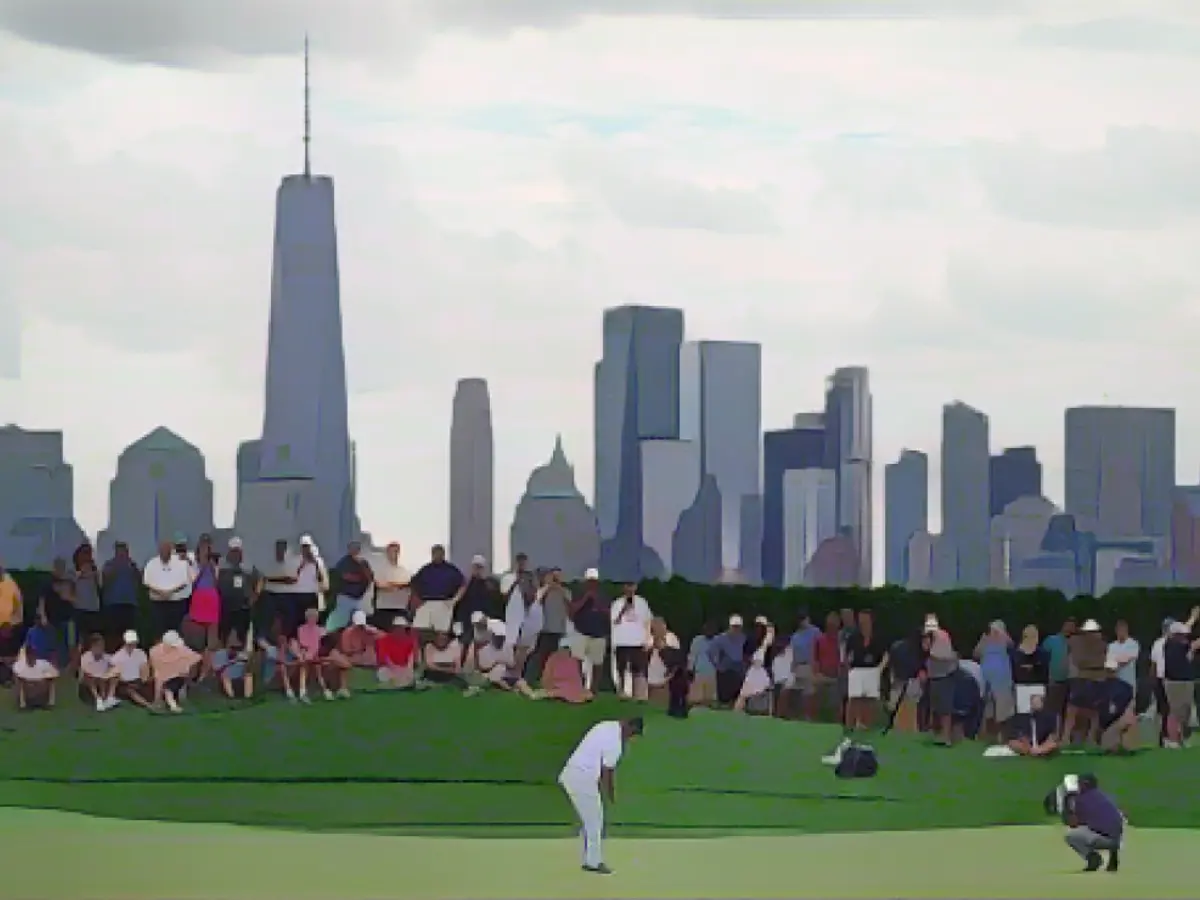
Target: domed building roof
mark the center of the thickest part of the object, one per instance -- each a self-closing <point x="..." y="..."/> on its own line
<point x="555" y="480"/>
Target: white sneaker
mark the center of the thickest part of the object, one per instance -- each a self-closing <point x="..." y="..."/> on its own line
<point x="113" y="702"/>
<point x="328" y="694"/>
<point x="291" y="697"/>
<point x="344" y="693"/>
<point x="304" y="698"/>
<point x="101" y="706"/>
<point x="1171" y="745"/>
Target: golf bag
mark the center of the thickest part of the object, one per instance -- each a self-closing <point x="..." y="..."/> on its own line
<point x="858" y="761"/>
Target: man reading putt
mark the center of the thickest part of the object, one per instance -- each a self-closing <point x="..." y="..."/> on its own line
<point x="587" y="779"/>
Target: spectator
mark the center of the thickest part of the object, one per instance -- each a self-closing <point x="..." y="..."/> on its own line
<point x="479" y="596"/>
<point x="866" y="657"/>
<point x="780" y="667"/>
<point x="727" y="652"/>
<point x="134" y="682"/>
<point x="555" y="600"/>
<point x="827" y="665"/>
<point x="12" y="616"/>
<point x="307" y="647"/>
<point x="121" y="579"/>
<point x="36" y="677"/>
<point x="1177" y="683"/>
<point x="494" y="662"/>
<point x="942" y="665"/>
<point x="589" y="614"/>
<point x="355" y="579"/>
<point x="98" y="676"/>
<point x="994" y="654"/>
<point x="803" y="644"/>
<point x="85" y="579"/>
<point x="392" y="592"/>
<point x="679" y="684"/>
<point x="279" y="657"/>
<point x="523" y="613"/>
<point x="1124" y="651"/>
<point x="205" y="604"/>
<point x="312" y="581"/>
<point x="563" y="678"/>
<point x="231" y="664"/>
<point x="1058" y="659"/>
<point x="1095" y="824"/>
<point x="165" y="576"/>
<point x="173" y="664"/>
<point x="436" y="589"/>
<point x="1117" y="717"/>
<point x="702" y="689"/>
<point x="1158" y="667"/>
<point x="754" y="693"/>
<point x="630" y="617"/>
<point x="1088" y="652"/>
<point x="357" y="643"/>
<point x="662" y="641"/>
<point x="277" y="591"/>
<point x="58" y="608"/>
<point x="396" y="654"/>
<point x="1030" y="670"/>
<point x="1034" y="733"/>
<point x="336" y="664"/>
<point x="441" y="659"/>
<point x="237" y="583"/>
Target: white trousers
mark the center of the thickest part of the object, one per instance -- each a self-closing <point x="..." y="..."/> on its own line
<point x="584" y="793"/>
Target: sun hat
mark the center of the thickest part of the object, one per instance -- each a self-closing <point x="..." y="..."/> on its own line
<point x="359" y="618"/>
<point x="130" y="637"/>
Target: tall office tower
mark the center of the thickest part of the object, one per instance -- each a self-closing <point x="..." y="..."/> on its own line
<point x="637" y="398"/>
<point x="809" y="519"/>
<point x="720" y="388"/>
<point x="1014" y="474"/>
<point x="905" y="511"/>
<point x="848" y="451"/>
<point x="784" y="451"/>
<point x="966" y="499"/>
<point x="37" y="499"/>
<point x="1120" y="465"/>
<point x="670" y="482"/>
<point x="304" y="476"/>
<point x="1185" y="537"/>
<point x="472" y="475"/>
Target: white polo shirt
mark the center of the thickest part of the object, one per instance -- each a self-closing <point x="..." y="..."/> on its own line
<point x="600" y="748"/>
<point x="130" y="663"/>
<point x="168" y="576"/>
<point x="630" y="622"/>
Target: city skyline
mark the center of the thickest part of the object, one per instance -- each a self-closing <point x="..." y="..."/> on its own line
<point x="543" y="215"/>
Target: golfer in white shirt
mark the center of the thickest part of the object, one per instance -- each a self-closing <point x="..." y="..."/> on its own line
<point x="588" y="775"/>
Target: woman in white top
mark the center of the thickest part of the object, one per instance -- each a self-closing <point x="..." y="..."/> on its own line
<point x="311" y="582"/>
<point x="630" y="616"/>
<point x="662" y="640"/>
<point x="756" y="695"/>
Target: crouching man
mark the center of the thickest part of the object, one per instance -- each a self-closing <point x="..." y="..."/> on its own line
<point x="1095" y="825"/>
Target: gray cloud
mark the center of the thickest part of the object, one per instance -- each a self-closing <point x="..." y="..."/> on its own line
<point x="206" y="34"/>
<point x="1148" y="37"/>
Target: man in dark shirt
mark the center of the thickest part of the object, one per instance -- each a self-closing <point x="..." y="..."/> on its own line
<point x="589" y="613"/>
<point x="354" y="580"/>
<point x="1094" y="825"/>
<point x="121" y="580"/>
<point x="728" y="654"/>
<point x="436" y="589"/>
<point x="479" y="596"/>
<point x="236" y="583"/>
<point x="1034" y="733"/>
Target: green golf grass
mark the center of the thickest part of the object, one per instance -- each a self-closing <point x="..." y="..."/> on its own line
<point x="459" y="795"/>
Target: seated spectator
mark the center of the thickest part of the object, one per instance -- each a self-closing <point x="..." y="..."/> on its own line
<point x="562" y="677"/>
<point x="133" y="672"/>
<point x="279" y="657"/>
<point x="1034" y="733"/>
<point x="495" y="662"/>
<point x="231" y="665"/>
<point x="308" y="647"/>
<point x="12" y="616"/>
<point x="441" y="659"/>
<point x="357" y="643"/>
<point x="173" y="664"/>
<point x="1115" y="712"/>
<point x="662" y="640"/>
<point x="337" y="665"/>
<point x="98" y="676"/>
<point x="755" y="694"/>
<point x="1031" y="669"/>
<point x="702" y="690"/>
<point x="396" y="655"/>
<point x="36" y="677"/>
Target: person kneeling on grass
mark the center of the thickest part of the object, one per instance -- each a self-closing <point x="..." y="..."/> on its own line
<point x="98" y="676"/>
<point x="173" y="664"/>
<point x="36" y="677"/>
<point x="396" y="654"/>
<point x="280" y="658"/>
<point x="308" y="647"/>
<point x="1034" y="733"/>
<point x="133" y="672"/>
<point x="231" y="666"/>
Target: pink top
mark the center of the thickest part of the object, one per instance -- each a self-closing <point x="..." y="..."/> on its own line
<point x="309" y="636"/>
<point x="561" y="677"/>
<point x="172" y="662"/>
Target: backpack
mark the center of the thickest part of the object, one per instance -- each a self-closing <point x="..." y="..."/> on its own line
<point x="858" y="761"/>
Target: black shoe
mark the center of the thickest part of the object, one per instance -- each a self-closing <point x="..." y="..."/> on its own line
<point x="1094" y="861"/>
<point x="601" y="869"/>
<point x="1114" y="861"/>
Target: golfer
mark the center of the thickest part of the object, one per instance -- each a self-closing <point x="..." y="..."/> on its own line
<point x="588" y="774"/>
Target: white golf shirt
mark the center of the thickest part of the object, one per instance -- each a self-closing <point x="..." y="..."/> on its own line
<point x="600" y="749"/>
<point x="171" y="575"/>
<point x="630" y="622"/>
<point x="130" y="663"/>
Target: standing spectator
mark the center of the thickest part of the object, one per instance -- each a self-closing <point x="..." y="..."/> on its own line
<point x="703" y="688"/>
<point x="98" y="676"/>
<point x="523" y="615"/>
<point x="58" y="608"/>
<point x="658" y="671"/>
<point x="905" y="665"/>
<point x="121" y="580"/>
<point x="941" y="667"/>
<point x="1177" y="683"/>
<point x="133" y="672"/>
<point x="276" y="591"/>
<point x="1059" y="664"/>
<point x="205" y="605"/>
<point x="1124" y="651"/>
<point x="436" y="589"/>
<point x="589" y="614"/>
<point x="12" y="616"/>
<point x="237" y="584"/>
<point x="556" y="601"/>
<point x="355" y="578"/>
<point x="478" y="601"/>
<point x="994" y="653"/>
<point x="630" y="616"/>
<point x="866" y="657"/>
<point x="1158" y="665"/>
<point x="312" y="580"/>
<point x="86" y="588"/>
<point x="165" y="576"/>
<point x="392" y="593"/>
<point x="173" y="663"/>
<point x="754" y="692"/>
<point x="803" y="644"/>
<point x="1030" y="671"/>
<point x="827" y="665"/>
<point x="728" y="654"/>
<point x="1088" y="653"/>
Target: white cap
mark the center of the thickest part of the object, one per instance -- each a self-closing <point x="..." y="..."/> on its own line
<point x="931" y="624"/>
<point x="359" y="618"/>
<point x="1180" y="628"/>
<point x="761" y="620"/>
<point x="477" y="617"/>
<point x="1090" y="625"/>
<point x="130" y="637"/>
<point x="235" y="543"/>
<point x="591" y="575"/>
<point x="497" y="627"/>
<point x="400" y="621"/>
<point x="306" y="540"/>
<point x="172" y="639"/>
<point x="735" y="621"/>
<point x="478" y="560"/>
<point x="456" y="629"/>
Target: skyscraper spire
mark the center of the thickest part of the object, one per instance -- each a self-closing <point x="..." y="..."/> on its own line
<point x="307" y="116"/>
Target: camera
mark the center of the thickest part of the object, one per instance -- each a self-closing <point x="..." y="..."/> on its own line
<point x="1061" y="798"/>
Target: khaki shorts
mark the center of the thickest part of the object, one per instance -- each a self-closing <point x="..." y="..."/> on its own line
<point x="703" y="691"/>
<point x="1180" y="700"/>
<point x="591" y="650"/>
<point x="434" y="615"/>
<point x="803" y="679"/>
<point x="1120" y="735"/>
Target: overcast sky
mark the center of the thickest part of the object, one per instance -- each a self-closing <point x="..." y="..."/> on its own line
<point x="977" y="201"/>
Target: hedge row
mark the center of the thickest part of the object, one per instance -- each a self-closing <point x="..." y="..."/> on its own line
<point x="966" y="614"/>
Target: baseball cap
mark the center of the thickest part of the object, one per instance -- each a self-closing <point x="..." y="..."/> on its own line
<point x="172" y="639"/>
<point x="359" y="618"/>
<point x="1090" y="625"/>
<point x="130" y="637"/>
<point x="478" y="560"/>
<point x="931" y="624"/>
<point x="306" y="541"/>
<point x="761" y="620"/>
<point x="1180" y="628"/>
<point x="235" y="543"/>
<point x="735" y="621"/>
<point x="180" y="538"/>
<point x="591" y="575"/>
<point x="400" y="621"/>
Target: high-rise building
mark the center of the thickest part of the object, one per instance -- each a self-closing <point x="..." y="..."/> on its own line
<point x="1120" y="464"/>
<point x="809" y="518"/>
<point x="1185" y="536"/>
<point x="670" y="482"/>
<point x="304" y="478"/>
<point x="905" y="510"/>
<point x="1014" y="474"/>
<point x="966" y="499"/>
<point x="472" y="518"/>
<point x="637" y="398"/>
<point x="553" y="523"/>
<point x="37" y="499"/>
<point x="721" y="409"/>
<point x="848" y="451"/>
<point x="1017" y="536"/>
<point x="784" y="451"/>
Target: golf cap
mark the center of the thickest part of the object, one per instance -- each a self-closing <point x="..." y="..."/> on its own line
<point x="130" y="637"/>
<point x="1180" y="628"/>
<point x="591" y="575"/>
<point x="998" y="625"/>
<point x="931" y="624"/>
<point x="235" y="543"/>
<point x="478" y="560"/>
<point x="400" y="621"/>
<point x="1090" y="625"/>
<point x="172" y="639"/>
<point x="179" y="539"/>
<point x="477" y="617"/>
<point x="735" y="621"/>
<point x="359" y="618"/>
<point x="761" y="620"/>
<point x="306" y="541"/>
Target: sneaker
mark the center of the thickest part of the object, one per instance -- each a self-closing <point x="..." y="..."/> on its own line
<point x="1114" y="861"/>
<point x="304" y="698"/>
<point x="101" y="706"/>
<point x="328" y="694"/>
<point x="601" y="869"/>
<point x="291" y="697"/>
<point x="1171" y="745"/>
<point x="1094" y="861"/>
<point x="113" y="702"/>
<point x="344" y="693"/>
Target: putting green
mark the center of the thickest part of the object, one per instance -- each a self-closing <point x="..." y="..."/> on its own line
<point x="72" y="857"/>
